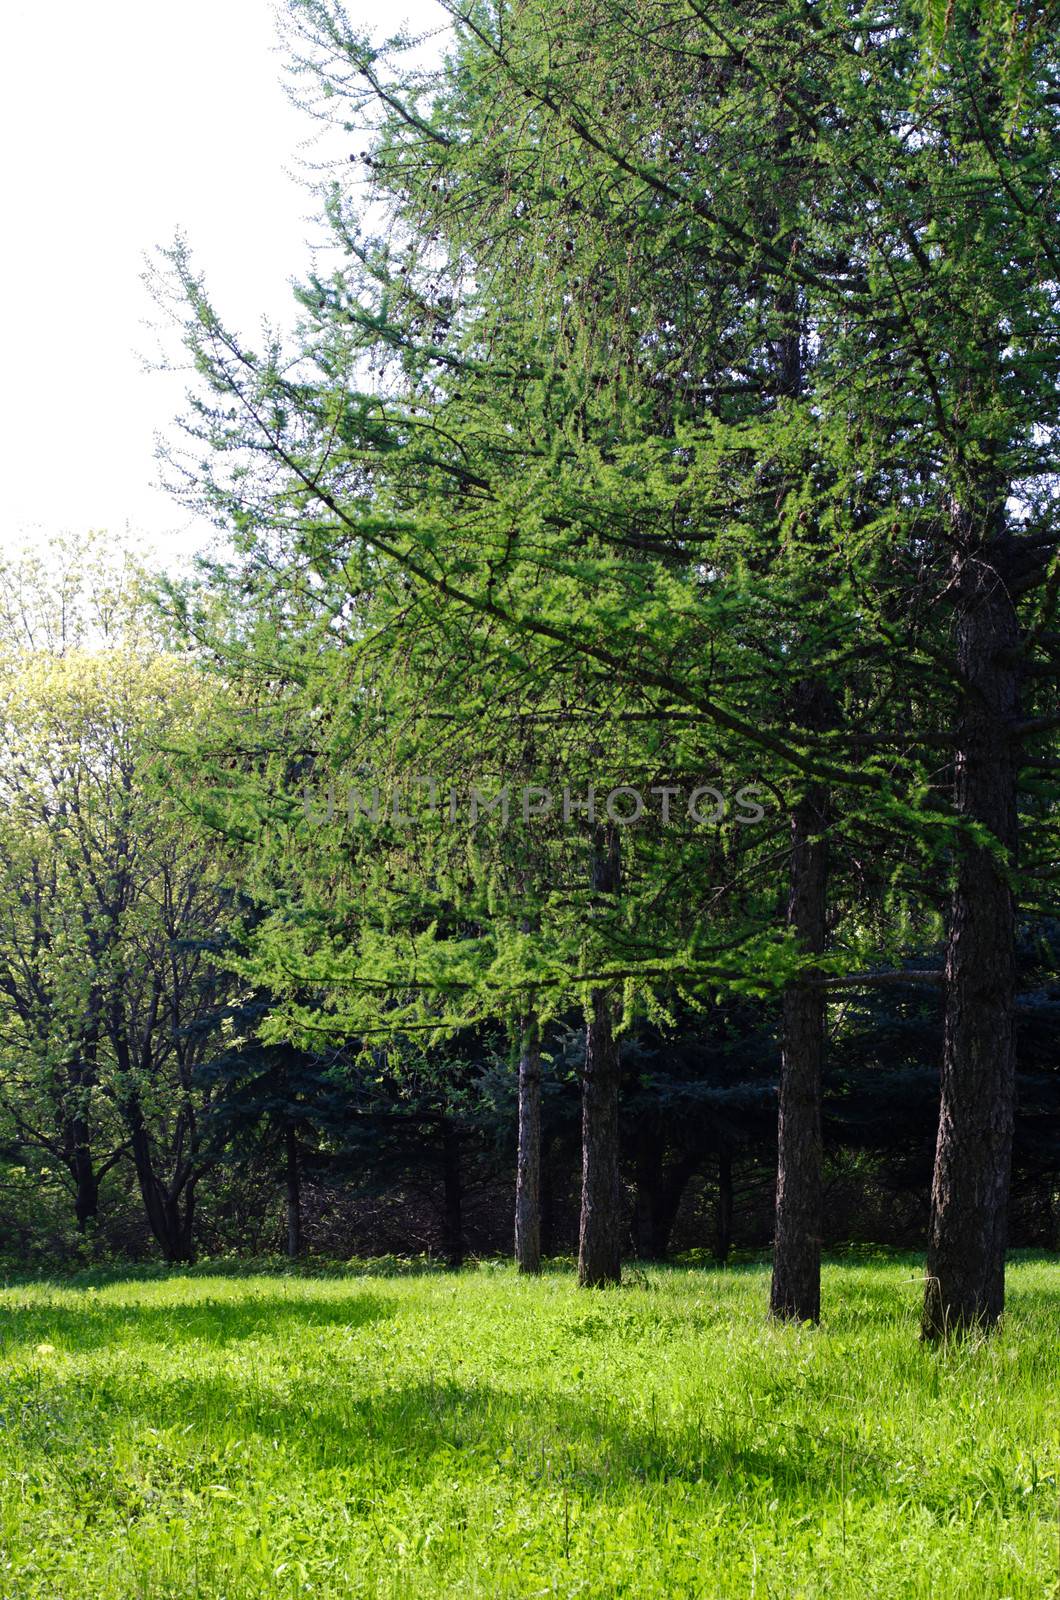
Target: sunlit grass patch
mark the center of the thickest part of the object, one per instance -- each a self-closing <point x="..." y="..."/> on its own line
<point x="428" y="1434"/>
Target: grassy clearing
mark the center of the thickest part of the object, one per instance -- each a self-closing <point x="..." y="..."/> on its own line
<point x="430" y="1435"/>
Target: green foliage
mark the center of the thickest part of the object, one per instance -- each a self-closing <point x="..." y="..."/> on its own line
<point x="685" y="337"/>
<point x="111" y="912"/>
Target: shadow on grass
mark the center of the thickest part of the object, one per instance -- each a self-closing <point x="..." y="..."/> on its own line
<point x="338" y="1415"/>
<point x="279" y="1267"/>
<point x="217" y="1322"/>
<point x="403" y="1437"/>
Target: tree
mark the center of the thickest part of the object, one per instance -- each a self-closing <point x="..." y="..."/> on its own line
<point x="110" y="996"/>
<point x="276" y="1100"/>
<point x="647" y="498"/>
<point x="528" y="1160"/>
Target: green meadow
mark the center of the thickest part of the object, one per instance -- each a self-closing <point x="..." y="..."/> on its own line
<point x="411" y="1433"/>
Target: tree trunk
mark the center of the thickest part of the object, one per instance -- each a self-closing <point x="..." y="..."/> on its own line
<point x="973" y="1157"/>
<point x="78" y="1130"/>
<point x="668" y="1204"/>
<point x="795" y="1293"/>
<point x="176" y="1234"/>
<point x="723" y="1217"/>
<point x="600" y="1227"/>
<point x="184" y="1227"/>
<point x="600" y="1234"/>
<point x="796" y="1288"/>
<point x="294" y="1196"/>
<point x="528" y="1167"/>
<point x="171" y="1225"/>
<point x="453" y="1196"/>
<point x="86" y="1184"/>
<point x="660" y="1190"/>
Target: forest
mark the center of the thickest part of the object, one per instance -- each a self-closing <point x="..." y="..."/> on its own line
<point x="587" y="823"/>
<point x="154" y="1107"/>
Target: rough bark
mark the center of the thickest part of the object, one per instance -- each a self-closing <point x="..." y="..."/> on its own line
<point x="528" y="1166"/>
<point x="973" y="1158"/>
<point x="294" y="1195"/>
<point x="795" y="1293"/>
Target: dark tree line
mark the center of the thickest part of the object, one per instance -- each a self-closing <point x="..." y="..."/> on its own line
<point x="330" y="1155"/>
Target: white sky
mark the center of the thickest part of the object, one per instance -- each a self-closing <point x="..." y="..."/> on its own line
<point x="122" y="121"/>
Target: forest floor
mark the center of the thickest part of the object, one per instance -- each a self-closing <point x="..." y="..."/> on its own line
<point x="217" y="1434"/>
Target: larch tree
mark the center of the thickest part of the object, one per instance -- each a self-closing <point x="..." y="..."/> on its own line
<point x="553" y="403"/>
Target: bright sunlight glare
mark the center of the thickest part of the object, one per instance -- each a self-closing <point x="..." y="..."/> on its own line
<point x="123" y="123"/>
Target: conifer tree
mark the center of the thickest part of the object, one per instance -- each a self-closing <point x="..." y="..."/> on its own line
<point x="548" y="409"/>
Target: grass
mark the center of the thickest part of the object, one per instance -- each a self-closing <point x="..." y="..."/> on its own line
<point x="239" y="1437"/>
